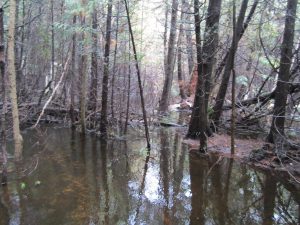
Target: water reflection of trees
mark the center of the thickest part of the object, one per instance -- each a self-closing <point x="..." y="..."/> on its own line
<point x="227" y="193"/>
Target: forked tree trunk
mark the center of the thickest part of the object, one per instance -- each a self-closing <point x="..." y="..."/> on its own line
<point x="205" y="61"/>
<point x="282" y="89"/>
<point x="11" y="71"/>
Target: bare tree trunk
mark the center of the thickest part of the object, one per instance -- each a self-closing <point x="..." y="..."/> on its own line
<point x="188" y="35"/>
<point x="83" y="71"/>
<point x="128" y="89"/>
<point x="73" y="78"/>
<point x="94" y="64"/>
<point x="282" y="89"/>
<point x="114" y="66"/>
<point x="139" y="79"/>
<point x="217" y="109"/>
<point x="165" y="98"/>
<point x="233" y="113"/>
<point x="179" y="62"/>
<point x="11" y="71"/>
<point x="103" y="119"/>
<point x="4" y="107"/>
<point x="205" y="61"/>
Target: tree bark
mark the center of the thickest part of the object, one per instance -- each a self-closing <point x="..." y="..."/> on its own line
<point x="4" y="107"/>
<point x="179" y="62"/>
<point x="103" y="119"/>
<point x="94" y="64"/>
<point x="11" y="71"/>
<point x="282" y="88"/>
<point x="73" y="77"/>
<point x="205" y="61"/>
<point x="83" y="71"/>
<point x="165" y="98"/>
<point x="217" y="109"/>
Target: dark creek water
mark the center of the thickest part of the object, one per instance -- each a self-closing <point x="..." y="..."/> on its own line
<point x="73" y="180"/>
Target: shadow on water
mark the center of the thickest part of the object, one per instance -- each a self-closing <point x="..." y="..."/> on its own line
<point x="81" y="180"/>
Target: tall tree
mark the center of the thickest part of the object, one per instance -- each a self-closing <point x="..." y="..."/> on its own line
<point x="73" y="73"/>
<point x="282" y="88"/>
<point x="205" y="62"/>
<point x="103" y="119"/>
<point x="11" y="71"/>
<point x="4" y="107"/>
<point x="217" y="109"/>
<point x="179" y="58"/>
<point x="83" y="70"/>
<point x="94" y="63"/>
<point x="164" y="101"/>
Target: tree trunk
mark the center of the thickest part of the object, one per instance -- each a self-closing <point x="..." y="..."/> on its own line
<point x="114" y="66"/>
<point x="94" y="65"/>
<point x="73" y="77"/>
<point x="83" y="71"/>
<point x="205" y="61"/>
<point x="164" y="101"/>
<point x="282" y="89"/>
<point x="11" y="71"/>
<point x="139" y="79"/>
<point x="217" y="109"/>
<point x="103" y="119"/>
<point x="181" y="82"/>
<point x="4" y="107"/>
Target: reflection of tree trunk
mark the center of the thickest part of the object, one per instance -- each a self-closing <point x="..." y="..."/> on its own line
<point x="164" y="170"/>
<point x="269" y="191"/>
<point x="197" y="171"/>
<point x="218" y="194"/>
<point x="142" y="187"/>
<point x="178" y="167"/>
<point x="103" y="146"/>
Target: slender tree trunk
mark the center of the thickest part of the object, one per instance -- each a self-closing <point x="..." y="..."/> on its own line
<point x="83" y="71"/>
<point x="128" y="89"/>
<point x="188" y="35"/>
<point x="4" y="107"/>
<point x="181" y="82"/>
<point x="217" y="109"/>
<point x="282" y="89"/>
<point x="233" y="113"/>
<point x="11" y="71"/>
<point x="52" y="46"/>
<point x="165" y="98"/>
<point x="114" y="66"/>
<point x="103" y="119"/>
<point x="139" y="79"/>
<point x="205" y="61"/>
<point x="73" y="77"/>
<point x="94" y="64"/>
<point x="165" y="36"/>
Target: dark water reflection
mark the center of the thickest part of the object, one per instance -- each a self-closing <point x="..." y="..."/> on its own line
<point x="85" y="181"/>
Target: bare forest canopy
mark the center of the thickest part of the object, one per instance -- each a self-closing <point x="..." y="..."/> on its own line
<point x="102" y="66"/>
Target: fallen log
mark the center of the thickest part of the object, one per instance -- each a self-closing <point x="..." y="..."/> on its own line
<point x="294" y="88"/>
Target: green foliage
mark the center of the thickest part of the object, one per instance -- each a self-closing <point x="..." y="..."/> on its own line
<point x="242" y="80"/>
<point x="22" y="185"/>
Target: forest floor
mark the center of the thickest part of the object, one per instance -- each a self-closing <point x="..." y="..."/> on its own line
<point x="254" y="152"/>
